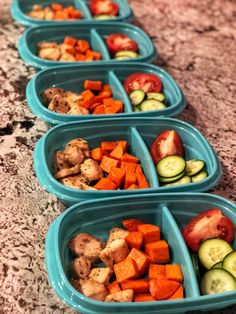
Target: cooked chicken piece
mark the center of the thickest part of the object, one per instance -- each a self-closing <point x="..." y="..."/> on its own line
<point x="67" y="172"/>
<point x="77" y="182"/>
<point x="49" y="93"/>
<point x="92" y="249"/>
<point x="78" y="110"/>
<point x="48" y="14"/>
<point x="39" y="14"/>
<point x="117" y="234"/>
<point x="93" y="289"/>
<point x="59" y="104"/>
<point x="63" y="48"/>
<point x="81" y="267"/>
<point x="101" y="275"/>
<point x="67" y="57"/>
<point x="75" y="283"/>
<point x="115" y="252"/>
<point x="80" y="143"/>
<point x="37" y="7"/>
<point x="74" y="155"/>
<point x="77" y="244"/>
<point x="91" y="170"/>
<point x="59" y="162"/>
<point x="47" y="44"/>
<point x="52" y="54"/>
<point x="72" y="99"/>
<point x="120" y="296"/>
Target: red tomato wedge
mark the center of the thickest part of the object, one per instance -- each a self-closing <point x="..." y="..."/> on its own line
<point x="98" y="7"/>
<point x="144" y="81"/>
<point x="119" y="42"/>
<point x="167" y="143"/>
<point x="209" y="224"/>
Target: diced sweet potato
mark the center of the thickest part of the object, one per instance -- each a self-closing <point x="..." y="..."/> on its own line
<point x="137" y="285"/>
<point x="156" y="272"/>
<point x="113" y="287"/>
<point x="131" y="224"/>
<point x="178" y="294"/>
<point x="126" y="269"/>
<point x="140" y="259"/>
<point x="107" y="163"/>
<point x="174" y="272"/>
<point x="143" y="297"/>
<point x="162" y="289"/>
<point x="158" y="251"/>
<point x="151" y="232"/>
<point x="134" y="239"/>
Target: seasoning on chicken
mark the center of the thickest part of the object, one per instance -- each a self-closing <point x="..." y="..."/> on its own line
<point x="117" y="234"/>
<point x="93" y="289"/>
<point x="49" y="93"/>
<point x="77" y="181"/>
<point x="77" y="243"/>
<point x="59" y="104"/>
<point x="91" y="170"/>
<point x="59" y="162"/>
<point x="101" y="275"/>
<point x="81" y="267"/>
<point x="51" y="53"/>
<point x="92" y="249"/>
<point x="115" y="252"/>
<point x="72" y="98"/>
<point x="47" y="44"/>
<point x="120" y="296"/>
<point x="67" y="172"/>
<point x="67" y="57"/>
<point x="76" y="151"/>
<point x="78" y="110"/>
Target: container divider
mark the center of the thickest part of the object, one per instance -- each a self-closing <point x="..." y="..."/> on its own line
<point x="97" y="43"/>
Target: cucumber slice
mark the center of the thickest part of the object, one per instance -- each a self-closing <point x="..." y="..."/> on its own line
<point x="200" y="176"/>
<point x="151" y="104"/>
<point x="194" y="166"/>
<point x="217" y="281"/>
<point x="136" y="109"/>
<point x="172" y="179"/>
<point x="103" y="17"/>
<point x="196" y="265"/>
<point x="158" y="96"/>
<point x="136" y="97"/>
<point x="217" y="265"/>
<point x="127" y="53"/>
<point x="184" y="180"/>
<point x="213" y="251"/>
<point x="122" y="58"/>
<point x="170" y="166"/>
<point x="229" y="263"/>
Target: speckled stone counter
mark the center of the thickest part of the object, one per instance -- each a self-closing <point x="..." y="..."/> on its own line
<point x="196" y="41"/>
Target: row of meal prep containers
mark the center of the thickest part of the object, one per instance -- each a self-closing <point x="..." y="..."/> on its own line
<point x="97" y="211"/>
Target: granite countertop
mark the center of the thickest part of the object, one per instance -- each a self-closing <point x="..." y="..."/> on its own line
<point x="196" y="40"/>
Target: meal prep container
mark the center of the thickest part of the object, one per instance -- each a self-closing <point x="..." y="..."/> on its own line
<point x="169" y="211"/>
<point x="140" y="133"/>
<point x="71" y="78"/>
<point x="20" y="8"/>
<point x="95" y="34"/>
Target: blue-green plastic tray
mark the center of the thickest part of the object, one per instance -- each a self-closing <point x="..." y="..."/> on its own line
<point x="95" y="34"/>
<point x="140" y="133"/>
<point x="170" y="212"/>
<point x="71" y="78"/>
<point x="20" y="8"/>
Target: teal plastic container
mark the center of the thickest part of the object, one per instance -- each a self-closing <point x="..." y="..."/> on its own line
<point x="140" y="133"/>
<point x="170" y="212"/>
<point x="95" y="34"/>
<point x="71" y="78"/>
<point x="20" y="8"/>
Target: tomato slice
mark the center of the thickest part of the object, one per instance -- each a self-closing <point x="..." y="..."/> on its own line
<point x="166" y="144"/>
<point x="144" y="81"/>
<point x="108" y="7"/>
<point x="119" y="42"/>
<point x="209" y="224"/>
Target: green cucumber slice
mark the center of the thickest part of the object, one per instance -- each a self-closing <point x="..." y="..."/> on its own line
<point x="217" y="281"/>
<point x="158" y="96"/>
<point x="217" y="265"/>
<point x="127" y="53"/>
<point x="170" y="166"/>
<point x="194" y="166"/>
<point x="200" y="176"/>
<point x="151" y="104"/>
<point x="213" y="251"/>
<point x="229" y="263"/>
<point x="136" y="109"/>
<point x="172" y="179"/>
<point x="103" y="17"/>
<point x="184" y="180"/>
<point x="136" y="97"/>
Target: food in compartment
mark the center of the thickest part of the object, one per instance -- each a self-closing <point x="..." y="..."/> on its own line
<point x="145" y="92"/>
<point x="103" y="9"/>
<point x="209" y="235"/>
<point x="107" y="167"/>
<point x="123" y="273"/>
<point x="122" y="47"/>
<point x="71" y="50"/>
<point x="55" y="12"/>
<point x="95" y="99"/>
<point x="167" y="152"/>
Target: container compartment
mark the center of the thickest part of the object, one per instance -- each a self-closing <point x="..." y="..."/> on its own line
<point x="20" y="8"/>
<point x="72" y="77"/>
<point x="28" y="42"/>
<point x="139" y="137"/>
<point x="100" y="216"/>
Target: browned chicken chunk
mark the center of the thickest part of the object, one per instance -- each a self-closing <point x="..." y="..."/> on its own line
<point x="101" y="275"/>
<point x="115" y="252"/>
<point x="120" y="296"/>
<point x="67" y="172"/>
<point x="117" y="234"/>
<point x="49" y="93"/>
<point x="91" y="170"/>
<point x="79" y="143"/>
<point x="59" y="104"/>
<point x="92" y="249"/>
<point x="81" y="267"/>
<point x="78" y="243"/>
<point x="93" y="289"/>
<point x="77" y="182"/>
